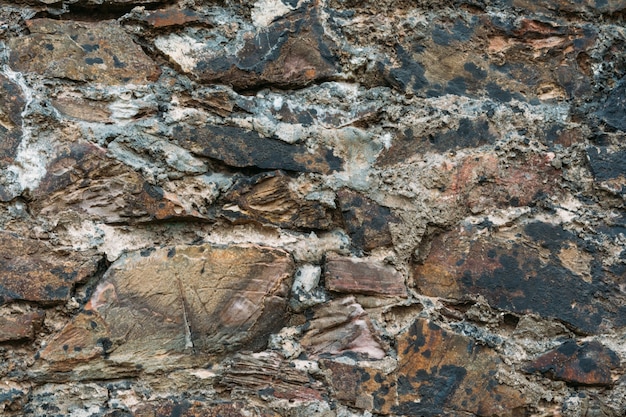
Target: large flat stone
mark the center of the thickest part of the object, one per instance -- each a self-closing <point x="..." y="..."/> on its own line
<point x="31" y="271"/>
<point x="241" y="148"/>
<point x="178" y="300"/>
<point x="99" y="52"/>
<point x="544" y="269"/>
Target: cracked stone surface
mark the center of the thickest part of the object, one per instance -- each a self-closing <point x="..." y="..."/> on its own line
<point x="312" y="208"/>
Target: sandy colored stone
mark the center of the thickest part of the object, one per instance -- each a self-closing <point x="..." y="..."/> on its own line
<point x="100" y="52"/>
<point x="198" y="299"/>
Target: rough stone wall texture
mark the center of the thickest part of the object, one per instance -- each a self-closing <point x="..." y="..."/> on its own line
<point x="313" y="208"/>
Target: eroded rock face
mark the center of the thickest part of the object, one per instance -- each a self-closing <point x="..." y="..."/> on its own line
<point x="98" y="52"/>
<point x="199" y="299"/>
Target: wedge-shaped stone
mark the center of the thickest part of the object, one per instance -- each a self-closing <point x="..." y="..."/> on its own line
<point x="544" y="270"/>
<point x="589" y="363"/>
<point x="438" y="372"/>
<point x="272" y="198"/>
<point x="241" y="148"/>
<point x="362" y="276"/>
<point x="83" y="179"/>
<point x="179" y="300"/>
<point x="99" y="52"/>
<point x="31" y="271"/>
<point x="342" y="326"/>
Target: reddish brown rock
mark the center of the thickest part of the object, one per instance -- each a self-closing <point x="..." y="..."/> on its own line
<point x="589" y="363"/>
<point x="241" y="148"/>
<point x="267" y="374"/>
<point x="17" y="327"/>
<point x="99" y="52"/>
<point x="361" y="276"/>
<point x="366" y="222"/>
<point x="82" y="178"/>
<point x="540" y="268"/>
<point x="31" y="271"/>
<point x="272" y="198"/>
<point x="198" y="299"/>
<point x="438" y="372"/>
<point x="291" y="53"/>
<point x="341" y="326"/>
<point x="171" y="17"/>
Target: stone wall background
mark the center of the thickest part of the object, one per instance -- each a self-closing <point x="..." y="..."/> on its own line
<point x="312" y="208"/>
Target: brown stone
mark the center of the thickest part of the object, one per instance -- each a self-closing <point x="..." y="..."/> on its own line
<point x="589" y="363"/>
<point x="556" y="7"/>
<point x="291" y="53"/>
<point x="19" y="326"/>
<point x="272" y="198"/>
<point x="207" y="299"/>
<point x="99" y="52"/>
<point x="362" y="276"/>
<point x="30" y="271"/>
<point x="341" y="326"/>
<point x="366" y="222"/>
<point x="269" y="375"/>
<point x="544" y="269"/>
<point x="82" y="178"/>
<point x="438" y="371"/>
<point x="171" y="17"/>
<point x="77" y="107"/>
<point x="241" y="148"/>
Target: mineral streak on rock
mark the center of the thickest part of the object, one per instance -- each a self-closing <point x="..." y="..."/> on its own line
<point x="99" y="52"/>
<point x="202" y="298"/>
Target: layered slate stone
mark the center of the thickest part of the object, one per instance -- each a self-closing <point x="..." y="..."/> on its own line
<point x="17" y="327"/>
<point x="363" y="276"/>
<point x="273" y="198"/>
<point x="11" y="106"/>
<point x="292" y="52"/>
<point x="366" y="222"/>
<point x="539" y="268"/>
<point x="242" y="148"/>
<point x="340" y="327"/>
<point x="557" y="7"/>
<point x="83" y="179"/>
<point x="204" y="298"/>
<point x="589" y="363"/>
<point x="438" y="372"/>
<point x="100" y="52"/>
<point x="270" y="376"/>
<point x="31" y="271"/>
<point x="613" y="111"/>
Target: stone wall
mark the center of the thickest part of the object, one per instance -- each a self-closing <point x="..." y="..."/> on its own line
<point x="313" y="208"/>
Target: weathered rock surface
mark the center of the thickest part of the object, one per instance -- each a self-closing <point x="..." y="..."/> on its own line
<point x="586" y="364"/>
<point x="100" y="52"/>
<point x="312" y="208"/>
<point x="31" y="271"/>
<point x="200" y="299"/>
